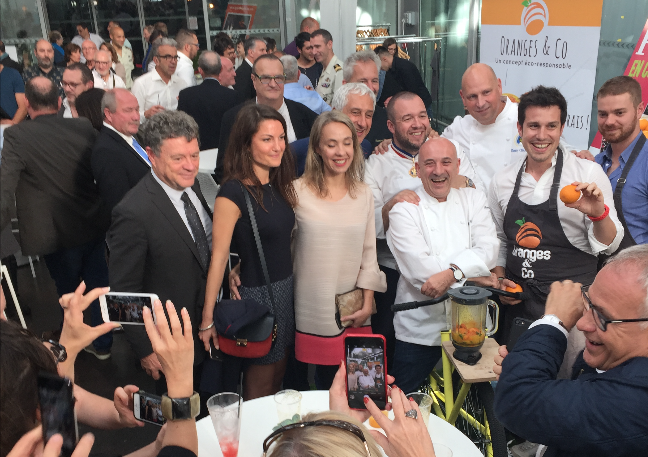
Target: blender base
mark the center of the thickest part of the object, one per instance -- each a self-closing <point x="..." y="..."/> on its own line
<point x="467" y="357"/>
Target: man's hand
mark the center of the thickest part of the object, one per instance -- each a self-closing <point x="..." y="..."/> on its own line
<point x="486" y="281"/>
<point x="503" y="284"/>
<point x="123" y="400"/>
<point x="153" y="110"/>
<point x="584" y="154"/>
<point x="383" y="146"/>
<point x="565" y="300"/>
<point x="502" y="352"/>
<point x="438" y="284"/>
<point x="403" y="196"/>
<point x="591" y="202"/>
<point x="152" y="366"/>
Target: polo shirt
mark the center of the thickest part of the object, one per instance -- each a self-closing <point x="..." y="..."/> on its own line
<point x="11" y="83"/>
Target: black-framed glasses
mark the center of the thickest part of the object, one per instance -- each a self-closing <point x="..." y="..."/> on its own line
<point x="600" y="319"/>
<point x="72" y="86"/>
<point x="60" y="354"/>
<point x="169" y="57"/>
<point x="342" y="425"/>
<point x="265" y="79"/>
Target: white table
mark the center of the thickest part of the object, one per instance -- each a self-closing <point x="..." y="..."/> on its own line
<point x="260" y="416"/>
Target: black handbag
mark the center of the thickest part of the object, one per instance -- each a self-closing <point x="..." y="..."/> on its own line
<point x="245" y="327"/>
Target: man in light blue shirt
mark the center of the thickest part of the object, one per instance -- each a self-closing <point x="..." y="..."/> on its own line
<point x="625" y="158"/>
<point x="294" y="91"/>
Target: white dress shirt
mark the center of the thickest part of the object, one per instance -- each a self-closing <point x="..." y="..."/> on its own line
<point x="372" y="373"/>
<point x="151" y="90"/>
<point x="427" y="238"/>
<point x="387" y="174"/>
<point x="67" y="112"/>
<point x="366" y="382"/>
<point x="185" y="69"/>
<point x="290" y="131"/>
<point x="176" y="199"/>
<point x="578" y="229"/>
<point x="114" y="81"/>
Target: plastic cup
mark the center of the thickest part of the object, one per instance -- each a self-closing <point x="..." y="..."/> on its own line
<point x="441" y="450"/>
<point x="288" y="405"/>
<point x="224" y="410"/>
<point x="424" y="402"/>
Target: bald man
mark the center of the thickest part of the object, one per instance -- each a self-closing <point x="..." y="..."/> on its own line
<point x="308" y="25"/>
<point x="44" y="66"/>
<point x="438" y="243"/>
<point x="88" y="50"/>
<point x="124" y="52"/>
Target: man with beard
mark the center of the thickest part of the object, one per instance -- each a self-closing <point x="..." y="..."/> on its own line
<point x="77" y="78"/>
<point x="625" y="159"/>
<point x="45" y="66"/>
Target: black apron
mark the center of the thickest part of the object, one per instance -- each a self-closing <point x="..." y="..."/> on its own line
<point x="538" y="252"/>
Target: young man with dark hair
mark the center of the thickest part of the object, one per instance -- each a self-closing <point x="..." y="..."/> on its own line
<point x="83" y="34"/>
<point x="542" y="239"/>
<point x="224" y="47"/>
<point x="306" y="61"/>
<point x="308" y="25"/>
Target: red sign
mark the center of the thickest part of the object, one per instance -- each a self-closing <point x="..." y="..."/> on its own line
<point x="638" y="69"/>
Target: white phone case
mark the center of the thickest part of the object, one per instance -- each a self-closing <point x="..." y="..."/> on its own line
<point x="133" y="313"/>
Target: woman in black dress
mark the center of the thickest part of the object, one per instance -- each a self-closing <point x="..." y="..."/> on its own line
<point x="257" y="161"/>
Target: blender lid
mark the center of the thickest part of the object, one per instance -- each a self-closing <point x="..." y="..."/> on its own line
<point x="469" y="295"/>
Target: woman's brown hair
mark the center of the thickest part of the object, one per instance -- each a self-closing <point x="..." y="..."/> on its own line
<point x="238" y="161"/>
<point x="70" y="49"/>
<point x="111" y="49"/>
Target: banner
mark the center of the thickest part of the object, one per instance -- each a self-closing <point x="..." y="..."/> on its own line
<point x="549" y="42"/>
<point x="239" y="17"/>
<point x="638" y="69"/>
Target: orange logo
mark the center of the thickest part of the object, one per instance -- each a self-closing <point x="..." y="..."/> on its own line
<point x="535" y="16"/>
<point x="528" y="235"/>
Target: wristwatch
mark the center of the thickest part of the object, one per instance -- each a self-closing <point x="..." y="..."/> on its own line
<point x="174" y="409"/>
<point x="554" y="320"/>
<point x="458" y="274"/>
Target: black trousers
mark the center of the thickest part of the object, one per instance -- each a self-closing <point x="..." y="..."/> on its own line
<point x="382" y="322"/>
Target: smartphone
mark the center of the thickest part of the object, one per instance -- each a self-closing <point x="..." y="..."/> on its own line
<point x="215" y="354"/>
<point x="148" y="408"/>
<point x="366" y="365"/>
<point x="517" y="329"/>
<point x="125" y="307"/>
<point x="57" y="410"/>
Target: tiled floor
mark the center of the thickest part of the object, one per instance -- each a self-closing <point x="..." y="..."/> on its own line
<point x="99" y="377"/>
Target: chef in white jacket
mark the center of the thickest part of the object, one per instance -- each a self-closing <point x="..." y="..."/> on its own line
<point x="447" y="237"/>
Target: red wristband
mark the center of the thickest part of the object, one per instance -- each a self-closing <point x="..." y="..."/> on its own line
<point x="602" y="216"/>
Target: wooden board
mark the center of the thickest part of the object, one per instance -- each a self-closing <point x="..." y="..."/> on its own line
<point x="480" y="372"/>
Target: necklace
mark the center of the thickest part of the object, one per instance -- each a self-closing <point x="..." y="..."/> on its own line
<point x="406" y="155"/>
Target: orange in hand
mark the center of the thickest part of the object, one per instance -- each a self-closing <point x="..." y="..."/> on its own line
<point x="569" y="194"/>
<point x="515" y="289"/>
<point x="643" y="124"/>
<point x="373" y="422"/>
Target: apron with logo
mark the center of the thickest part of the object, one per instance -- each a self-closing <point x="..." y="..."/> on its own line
<point x="538" y="251"/>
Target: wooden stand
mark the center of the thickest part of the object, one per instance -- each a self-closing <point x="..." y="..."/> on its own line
<point x="480" y="372"/>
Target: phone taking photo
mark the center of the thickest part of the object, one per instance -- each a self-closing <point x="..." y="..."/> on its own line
<point x="57" y="410"/>
<point x="148" y="408"/>
<point x="366" y="366"/>
<point x="125" y="307"/>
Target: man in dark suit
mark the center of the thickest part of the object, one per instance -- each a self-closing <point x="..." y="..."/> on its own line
<point x="118" y="160"/>
<point x="46" y="176"/>
<point x="207" y="102"/>
<point x="160" y="237"/>
<point x="596" y="412"/>
<point x="254" y="47"/>
<point x="269" y="85"/>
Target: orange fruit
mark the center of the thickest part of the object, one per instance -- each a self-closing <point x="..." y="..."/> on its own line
<point x="517" y="288"/>
<point x="569" y="194"/>
<point x="373" y="422"/>
<point x="643" y="124"/>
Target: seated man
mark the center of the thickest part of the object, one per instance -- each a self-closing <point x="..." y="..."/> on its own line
<point x="439" y="242"/>
<point x="598" y="412"/>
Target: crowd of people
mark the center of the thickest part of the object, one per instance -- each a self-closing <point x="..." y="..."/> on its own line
<point x="346" y="195"/>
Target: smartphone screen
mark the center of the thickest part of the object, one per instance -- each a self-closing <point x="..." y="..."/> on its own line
<point x="366" y="370"/>
<point x="148" y="408"/>
<point x="125" y="308"/>
<point x="57" y="410"/>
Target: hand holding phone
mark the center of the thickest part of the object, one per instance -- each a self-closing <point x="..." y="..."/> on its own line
<point x="126" y="307"/>
<point x="366" y="365"/>
<point x="148" y="408"/>
<point x="57" y="410"/>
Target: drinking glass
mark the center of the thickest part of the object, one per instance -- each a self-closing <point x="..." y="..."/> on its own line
<point x="424" y="402"/>
<point x="225" y="412"/>
<point x="288" y="405"/>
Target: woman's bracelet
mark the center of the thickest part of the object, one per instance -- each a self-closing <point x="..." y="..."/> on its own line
<point x="206" y="328"/>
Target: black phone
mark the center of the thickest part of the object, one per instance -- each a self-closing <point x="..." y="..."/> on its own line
<point x="517" y="329"/>
<point x="148" y="408"/>
<point x="57" y="410"/>
<point x="215" y="354"/>
<point x="366" y="365"/>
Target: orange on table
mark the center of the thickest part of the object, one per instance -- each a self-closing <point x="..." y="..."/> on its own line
<point x="373" y="422"/>
<point x="643" y="124"/>
<point x="517" y="288"/>
<point x="569" y="194"/>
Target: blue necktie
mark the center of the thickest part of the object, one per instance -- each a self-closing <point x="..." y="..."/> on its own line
<point x="141" y="151"/>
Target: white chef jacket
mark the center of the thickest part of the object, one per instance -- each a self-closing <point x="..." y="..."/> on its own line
<point x="151" y="90"/>
<point x="366" y="381"/>
<point x="578" y="229"/>
<point x="185" y="69"/>
<point x="427" y="238"/>
<point x="387" y="174"/>
<point x="99" y="82"/>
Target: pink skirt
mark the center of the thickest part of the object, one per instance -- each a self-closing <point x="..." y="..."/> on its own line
<point x="324" y="350"/>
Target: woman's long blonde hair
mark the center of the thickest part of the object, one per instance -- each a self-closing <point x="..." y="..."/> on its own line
<point x="324" y="441"/>
<point x="314" y="171"/>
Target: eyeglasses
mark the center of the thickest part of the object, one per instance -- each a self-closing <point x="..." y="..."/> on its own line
<point x="342" y="425"/>
<point x="70" y="85"/>
<point x="169" y="57"/>
<point x="265" y="80"/>
<point x="600" y="319"/>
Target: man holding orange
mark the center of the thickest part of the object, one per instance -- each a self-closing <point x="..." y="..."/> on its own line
<point x="542" y="239"/>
